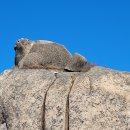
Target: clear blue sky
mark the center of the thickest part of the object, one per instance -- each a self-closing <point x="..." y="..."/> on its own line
<point x="97" y="29"/>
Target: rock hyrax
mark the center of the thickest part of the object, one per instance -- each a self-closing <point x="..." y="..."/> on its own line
<point x="40" y="54"/>
<point x="47" y="55"/>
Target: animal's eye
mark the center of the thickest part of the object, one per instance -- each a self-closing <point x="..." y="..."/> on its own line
<point x="18" y="41"/>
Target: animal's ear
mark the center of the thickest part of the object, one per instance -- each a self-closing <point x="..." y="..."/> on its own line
<point x="25" y="41"/>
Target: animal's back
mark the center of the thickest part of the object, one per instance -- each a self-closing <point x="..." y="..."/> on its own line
<point x="48" y="55"/>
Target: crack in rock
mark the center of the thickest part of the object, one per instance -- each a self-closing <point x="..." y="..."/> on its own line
<point x="5" y="120"/>
<point x="91" y="87"/>
<point x="67" y="105"/>
<point x="3" y="117"/>
<point x="44" y="102"/>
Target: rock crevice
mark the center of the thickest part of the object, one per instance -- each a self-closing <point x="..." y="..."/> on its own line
<point x="43" y="114"/>
<point x="67" y="104"/>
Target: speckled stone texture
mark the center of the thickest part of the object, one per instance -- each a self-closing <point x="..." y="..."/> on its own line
<point x="32" y="99"/>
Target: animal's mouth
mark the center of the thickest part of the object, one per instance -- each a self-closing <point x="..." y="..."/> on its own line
<point x="18" y="47"/>
<point x="15" y="48"/>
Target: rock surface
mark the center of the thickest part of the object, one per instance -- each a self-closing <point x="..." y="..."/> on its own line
<point x="32" y="99"/>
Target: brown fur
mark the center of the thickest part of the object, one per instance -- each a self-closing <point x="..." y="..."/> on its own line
<point x="76" y="63"/>
<point x="47" y="55"/>
<point x="41" y="54"/>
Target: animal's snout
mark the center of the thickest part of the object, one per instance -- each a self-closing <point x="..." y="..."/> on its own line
<point x="18" y="46"/>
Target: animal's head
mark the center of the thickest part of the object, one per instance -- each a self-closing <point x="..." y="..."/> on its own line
<point x="22" y="47"/>
<point x="22" y="44"/>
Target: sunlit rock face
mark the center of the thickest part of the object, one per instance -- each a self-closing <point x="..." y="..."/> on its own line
<point x="38" y="99"/>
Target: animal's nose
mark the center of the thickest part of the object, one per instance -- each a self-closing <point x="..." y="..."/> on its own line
<point x="17" y="46"/>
